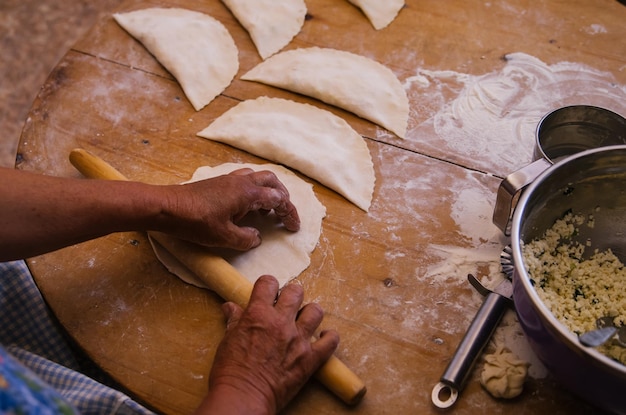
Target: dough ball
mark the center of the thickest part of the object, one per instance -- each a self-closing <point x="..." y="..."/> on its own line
<point x="504" y="374"/>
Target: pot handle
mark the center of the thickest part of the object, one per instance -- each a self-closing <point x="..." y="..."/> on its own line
<point x="511" y="188"/>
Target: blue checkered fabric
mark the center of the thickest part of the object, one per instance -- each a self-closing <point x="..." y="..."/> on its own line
<point x="29" y="334"/>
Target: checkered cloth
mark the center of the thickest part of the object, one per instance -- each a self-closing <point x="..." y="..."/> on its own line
<point x="29" y="334"/>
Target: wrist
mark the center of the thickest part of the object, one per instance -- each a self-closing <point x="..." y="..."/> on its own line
<point x="141" y="207"/>
<point x="227" y="399"/>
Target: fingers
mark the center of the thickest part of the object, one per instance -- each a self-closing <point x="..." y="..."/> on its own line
<point x="288" y="214"/>
<point x="265" y="290"/>
<point x="242" y="238"/>
<point x="276" y="196"/>
<point x="326" y="345"/>
<point x="290" y="299"/>
<point x="309" y="318"/>
<point x="232" y="312"/>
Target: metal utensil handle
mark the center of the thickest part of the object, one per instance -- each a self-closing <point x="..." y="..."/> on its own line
<point x="470" y="348"/>
<point x="510" y="189"/>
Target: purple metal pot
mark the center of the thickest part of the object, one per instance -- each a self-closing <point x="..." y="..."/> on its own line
<point x="580" y="183"/>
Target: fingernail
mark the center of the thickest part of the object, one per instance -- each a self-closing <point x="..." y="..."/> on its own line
<point x="257" y="240"/>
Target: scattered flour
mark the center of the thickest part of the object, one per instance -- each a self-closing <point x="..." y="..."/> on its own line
<point x="490" y="120"/>
<point x="472" y="209"/>
<point x="595" y="29"/>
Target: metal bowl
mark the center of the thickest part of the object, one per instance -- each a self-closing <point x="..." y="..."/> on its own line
<point x="580" y="183"/>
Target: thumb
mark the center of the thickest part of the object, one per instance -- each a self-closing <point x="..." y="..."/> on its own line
<point x="232" y="312"/>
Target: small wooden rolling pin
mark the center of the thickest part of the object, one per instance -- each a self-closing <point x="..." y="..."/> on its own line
<point x="224" y="280"/>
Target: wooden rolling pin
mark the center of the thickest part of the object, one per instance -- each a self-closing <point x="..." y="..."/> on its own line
<point x="224" y="280"/>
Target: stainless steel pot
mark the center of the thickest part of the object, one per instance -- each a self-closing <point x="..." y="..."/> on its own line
<point x="581" y="183"/>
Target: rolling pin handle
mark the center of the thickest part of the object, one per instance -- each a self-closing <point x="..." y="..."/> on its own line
<point x="93" y="166"/>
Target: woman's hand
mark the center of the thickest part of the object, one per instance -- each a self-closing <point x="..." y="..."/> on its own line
<point x="208" y="211"/>
<point x="267" y="355"/>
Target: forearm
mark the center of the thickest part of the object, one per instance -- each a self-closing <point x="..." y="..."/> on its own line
<point x="41" y="213"/>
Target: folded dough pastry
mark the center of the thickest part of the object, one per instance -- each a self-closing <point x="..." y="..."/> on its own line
<point x="379" y="12"/>
<point x="271" y="23"/>
<point x="314" y="141"/>
<point x="343" y="79"/>
<point x="282" y="253"/>
<point x="194" y="47"/>
<point x="504" y="374"/>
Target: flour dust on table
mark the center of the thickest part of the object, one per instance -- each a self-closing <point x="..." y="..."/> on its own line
<point x="491" y="119"/>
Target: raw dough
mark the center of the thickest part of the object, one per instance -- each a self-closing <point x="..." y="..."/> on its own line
<point x="194" y="47"/>
<point x="271" y="23"/>
<point x="379" y="12"/>
<point x="343" y="79"/>
<point x="306" y="138"/>
<point x="504" y="374"/>
<point x="283" y="254"/>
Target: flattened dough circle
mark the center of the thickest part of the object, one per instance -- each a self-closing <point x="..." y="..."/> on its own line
<point x="282" y="253"/>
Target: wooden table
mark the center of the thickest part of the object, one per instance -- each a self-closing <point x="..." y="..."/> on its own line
<point x="373" y="273"/>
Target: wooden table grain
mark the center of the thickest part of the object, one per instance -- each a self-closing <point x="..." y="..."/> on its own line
<point x="156" y="335"/>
